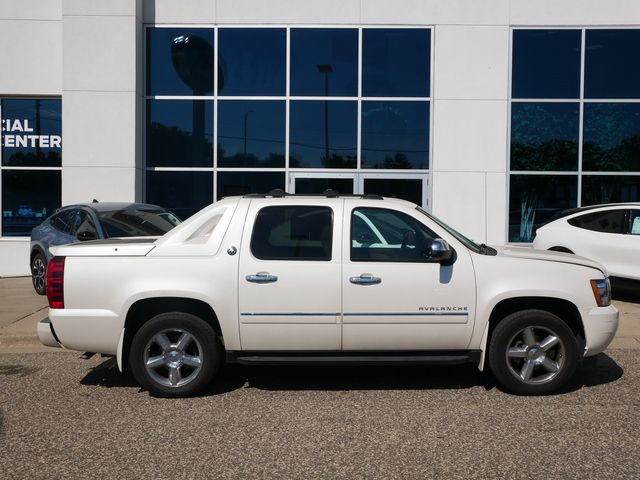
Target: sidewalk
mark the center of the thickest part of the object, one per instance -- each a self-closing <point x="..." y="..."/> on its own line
<point x="21" y="309"/>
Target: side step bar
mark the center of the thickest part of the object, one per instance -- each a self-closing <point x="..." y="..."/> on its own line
<point x="355" y="358"/>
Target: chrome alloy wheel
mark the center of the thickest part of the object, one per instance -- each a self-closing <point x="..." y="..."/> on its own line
<point x="173" y="357"/>
<point x="39" y="274"/>
<point x="535" y="355"/>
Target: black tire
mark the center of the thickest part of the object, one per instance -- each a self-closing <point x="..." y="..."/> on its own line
<point x="155" y="366"/>
<point x="39" y="274"/>
<point x="525" y="365"/>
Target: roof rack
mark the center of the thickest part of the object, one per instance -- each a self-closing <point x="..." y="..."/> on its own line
<point x="279" y="193"/>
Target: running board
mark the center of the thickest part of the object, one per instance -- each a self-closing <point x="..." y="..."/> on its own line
<point x="355" y="358"/>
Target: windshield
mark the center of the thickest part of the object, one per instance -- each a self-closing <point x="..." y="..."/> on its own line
<point x="137" y="223"/>
<point x="470" y="244"/>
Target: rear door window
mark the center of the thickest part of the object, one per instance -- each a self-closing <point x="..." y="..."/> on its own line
<point x="634" y="222"/>
<point x="64" y="221"/>
<point x="610" y="221"/>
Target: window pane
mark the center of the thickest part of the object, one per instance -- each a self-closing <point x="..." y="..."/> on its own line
<point x="607" y="222"/>
<point x="242" y="183"/>
<point x="28" y="197"/>
<point x="179" y="133"/>
<point x="31" y="133"/>
<point x="407" y="189"/>
<point x="184" y="193"/>
<point x="251" y="133"/>
<point x="323" y="134"/>
<point x="293" y="233"/>
<point x="611" y="137"/>
<point x="396" y="62"/>
<point x="179" y="61"/>
<point x="533" y="199"/>
<point x="612" y="69"/>
<point x="634" y="222"/>
<point x="252" y="61"/>
<point x="395" y="135"/>
<point x="597" y="189"/>
<point x="544" y="136"/>
<point x="324" y="61"/>
<point x="320" y="185"/>
<point x="546" y="64"/>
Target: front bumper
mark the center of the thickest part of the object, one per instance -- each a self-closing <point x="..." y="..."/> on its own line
<point x="46" y="334"/>
<point x="600" y="326"/>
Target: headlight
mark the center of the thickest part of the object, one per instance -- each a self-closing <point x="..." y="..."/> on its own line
<point x="602" y="291"/>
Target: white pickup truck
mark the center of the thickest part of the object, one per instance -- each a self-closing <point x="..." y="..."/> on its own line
<point x="287" y="279"/>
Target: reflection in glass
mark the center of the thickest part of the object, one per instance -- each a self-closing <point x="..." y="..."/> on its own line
<point x="396" y="62"/>
<point x="179" y="61"/>
<point x="612" y="69"/>
<point x="611" y="138"/>
<point x="407" y="189"/>
<point x="597" y="189"/>
<point x="324" y="61"/>
<point x="544" y="136"/>
<point x="343" y="186"/>
<point x="252" y="61"/>
<point x="533" y="199"/>
<point x="395" y="135"/>
<point x="183" y="193"/>
<point x="323" y="134"/>
<point x="179" y="133"/>
<point x="242" y="183"/>
<point x="546" y="64"/>
<point x="251" y="133"/>
<point x="31" y="132"/>
<point x="28" y="197"/>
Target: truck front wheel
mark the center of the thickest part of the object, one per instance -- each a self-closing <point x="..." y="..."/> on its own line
<point x="533" y="352"/>
<point x="175" y="354"/>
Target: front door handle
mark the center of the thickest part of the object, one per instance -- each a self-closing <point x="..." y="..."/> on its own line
<point x="261" y="277"/>
<point x="365" y="279"/>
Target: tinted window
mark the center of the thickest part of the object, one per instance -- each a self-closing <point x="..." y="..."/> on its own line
<point x="179" y="61"/>
<point x="242" y="183"/>
<point x="612" y="69"/>
<point x="136" y="223"/>
<point x="251" y="133"/>
<point x="544" y="136"/>
<point x="546" y="64"/>
<point x="319" y="185"/>
<point x="251" y="61"/>
<point x="395" y="135"/>
<point x="324" y="61"/>
<point x="184" y="193"/>
<point x="292" y="233"/>
<point x="407" y="189"/>
<point x="31" y="133"/>
<point x="64" y="221"/>
<point x="607" y="222"/>
<point x="396" y="62"/>
<point x="597" y="189"/>
<point x="179" y="133"/>
<point x="85" y="228"/>
<point x="634" y="222"/>
<point x="611" y="137"/>
<point x="381" y="235"/>
<point x="323" y="134"/>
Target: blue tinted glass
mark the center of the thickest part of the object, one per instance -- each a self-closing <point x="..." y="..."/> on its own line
<point x="395" y="134"/>
<point x="31" y="133"/>
<point x="597" y="189"/>
<point x="324" y="61"/>
<point x="612" y="69"/>
<point x="183" y="193"/>
<point x="180" y="133"/>
<point x="533" y="199"/>
<point x="546" y="64"/>
<point x="544" y="136"/>
<point x="251" y="61"/>
<point x="242" y="183"/>
<point x="611" y="138"/>
<point x="251" y="133"/>
<point x="323" y="134"/>
<point x="28" y="197"/>
<point x="396" y="62"/>
<point x="179" y="61"/>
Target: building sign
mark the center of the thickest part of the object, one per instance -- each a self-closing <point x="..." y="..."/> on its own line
<point x="18" y="133"/>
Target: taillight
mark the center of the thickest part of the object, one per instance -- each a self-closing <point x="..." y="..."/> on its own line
<point x="55" y="282"/>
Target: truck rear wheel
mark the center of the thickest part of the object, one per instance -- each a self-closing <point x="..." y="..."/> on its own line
<point x="175" y="354"/>
<point x="533" y="352"/>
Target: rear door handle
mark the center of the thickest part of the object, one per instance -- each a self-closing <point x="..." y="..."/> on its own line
<point x="262" y="277"/>
<point x="365" y="279"/>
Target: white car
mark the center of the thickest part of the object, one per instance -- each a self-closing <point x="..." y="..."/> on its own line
<point x="608" y="234"/>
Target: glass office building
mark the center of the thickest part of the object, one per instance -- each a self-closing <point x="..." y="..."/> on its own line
<point x="489" y="114"/>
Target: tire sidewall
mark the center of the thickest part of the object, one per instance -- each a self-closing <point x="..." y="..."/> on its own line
<point x="44" y="262"/>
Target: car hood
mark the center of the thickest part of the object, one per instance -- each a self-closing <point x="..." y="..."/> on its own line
<point x="549" y="256"/>
<point x="112" y="247"/>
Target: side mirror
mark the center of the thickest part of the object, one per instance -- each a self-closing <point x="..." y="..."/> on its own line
<point x="442" y="253"/>
<point x="86" y="235"/>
